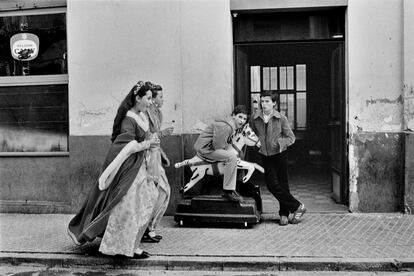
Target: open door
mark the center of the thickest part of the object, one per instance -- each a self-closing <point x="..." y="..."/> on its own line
<point x="338" y="151"/>
<point x="308" y="79"/>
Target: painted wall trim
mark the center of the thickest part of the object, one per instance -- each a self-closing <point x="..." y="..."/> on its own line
<point x="240" y="5"/>
<point x="32" y="202"/>
<point x="10" y="5"/>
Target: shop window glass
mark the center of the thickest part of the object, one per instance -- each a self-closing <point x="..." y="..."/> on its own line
<point x="33" y="91"/>
<point x="34" y="118"/>
<point x="52" y="53"/>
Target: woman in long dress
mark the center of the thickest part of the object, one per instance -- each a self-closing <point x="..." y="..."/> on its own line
<point x="119" y="206"/>
<point x="164" y="191"/>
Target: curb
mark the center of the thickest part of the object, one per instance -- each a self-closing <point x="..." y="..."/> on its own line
<point x="212" y="263"/>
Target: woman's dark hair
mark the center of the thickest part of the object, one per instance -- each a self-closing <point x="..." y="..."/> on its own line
<point x="140" y="89"/>
<point x="240" y="109"/>
<point x="155" y="88"/>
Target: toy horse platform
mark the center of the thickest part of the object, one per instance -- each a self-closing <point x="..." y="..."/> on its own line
<point x="219" y="209"/>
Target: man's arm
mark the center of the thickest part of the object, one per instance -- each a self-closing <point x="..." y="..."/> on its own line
<point x="287" y="137"/>
<point x="221" y="133"/>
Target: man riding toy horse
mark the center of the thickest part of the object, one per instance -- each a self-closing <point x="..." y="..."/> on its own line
<point x="218" y="150"/>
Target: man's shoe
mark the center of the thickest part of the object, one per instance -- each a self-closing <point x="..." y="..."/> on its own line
<point x="297" y="215"/>
<point x="283" y="221"/>
<point x="232" y="195"/>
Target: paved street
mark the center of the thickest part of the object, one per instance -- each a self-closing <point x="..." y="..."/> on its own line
<point x="44" y="271"/>
<point x="380" y="242"/>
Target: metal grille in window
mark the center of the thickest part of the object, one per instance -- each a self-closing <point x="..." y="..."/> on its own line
<point x="289" y="83"/>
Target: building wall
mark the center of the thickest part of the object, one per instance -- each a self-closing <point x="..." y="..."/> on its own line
<point x="408" y="88"/>
<point x="375" y="102"/>
<point x="186" y="46"/>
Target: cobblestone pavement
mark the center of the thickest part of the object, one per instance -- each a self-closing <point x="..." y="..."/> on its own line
<point x="319" y="235"/>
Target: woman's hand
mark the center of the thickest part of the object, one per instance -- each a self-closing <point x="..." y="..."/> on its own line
<point x="154" y="140"/>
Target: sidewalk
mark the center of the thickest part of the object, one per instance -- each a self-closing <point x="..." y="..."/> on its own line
<point x="360" y="242"/>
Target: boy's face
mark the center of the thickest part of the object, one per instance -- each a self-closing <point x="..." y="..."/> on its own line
<point x="159" y="100"/>
<point x="240" y="119"/>
<point x="267" y="104"/>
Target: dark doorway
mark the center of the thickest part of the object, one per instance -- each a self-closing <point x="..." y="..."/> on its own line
<point x="308" y="77"/>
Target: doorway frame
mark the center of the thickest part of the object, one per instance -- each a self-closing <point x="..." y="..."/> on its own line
<point x="263" y="6"/>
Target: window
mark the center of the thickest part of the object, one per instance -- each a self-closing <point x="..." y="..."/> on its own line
<point x="289" y="83"/>
<point x="33" y="89"/>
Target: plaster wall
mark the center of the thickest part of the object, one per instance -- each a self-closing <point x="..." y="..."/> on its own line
<point x="409" y="105"/>
<point x="183" y="45"/>
<point x="375" y="102"/>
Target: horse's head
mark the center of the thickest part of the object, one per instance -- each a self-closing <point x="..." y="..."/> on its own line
<point x="246" y="136"/>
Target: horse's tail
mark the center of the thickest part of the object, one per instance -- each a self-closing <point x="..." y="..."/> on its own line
<point x="258" y="167"/>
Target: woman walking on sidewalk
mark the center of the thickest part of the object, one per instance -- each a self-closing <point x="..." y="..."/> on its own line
<point x="164" y="191"/>
<point x="120" y="204"/>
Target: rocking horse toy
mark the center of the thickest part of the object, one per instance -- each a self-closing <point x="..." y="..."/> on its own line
<point x="214" y="208"/>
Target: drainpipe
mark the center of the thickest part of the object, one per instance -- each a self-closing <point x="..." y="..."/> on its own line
<point x="408" y="92"/>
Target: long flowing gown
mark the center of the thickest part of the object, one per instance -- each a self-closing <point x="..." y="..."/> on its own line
<point x="121" y="212"/>
<point x="164" y="190"/>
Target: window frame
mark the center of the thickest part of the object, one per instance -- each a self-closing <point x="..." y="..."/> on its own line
<point x="35" y="80"/>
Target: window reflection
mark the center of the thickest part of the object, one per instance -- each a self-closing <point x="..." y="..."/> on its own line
<point x="34" y="118"/>
<point x="52" y="57"/>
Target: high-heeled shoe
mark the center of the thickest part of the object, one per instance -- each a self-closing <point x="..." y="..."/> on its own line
<point x="143" y="255"/>
<point x="148" y="238"/>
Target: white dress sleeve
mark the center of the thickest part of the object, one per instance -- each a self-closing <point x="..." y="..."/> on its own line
<point x="109" y="173"/>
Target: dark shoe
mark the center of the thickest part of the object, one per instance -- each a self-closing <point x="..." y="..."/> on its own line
<point x="158" y="237"/>
<point x="147" y="238"/>
<point x="297" y="215"/>
<point x="143" y="255"/>
<point x="283" y="221"/>
<point x="232" y="195"/>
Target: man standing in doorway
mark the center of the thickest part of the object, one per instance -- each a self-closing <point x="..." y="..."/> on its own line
<point x="275" y="136"/>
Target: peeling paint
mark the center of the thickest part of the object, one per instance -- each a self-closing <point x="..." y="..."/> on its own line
<point x="91" y="120"/>
<point x="381" y="115"/>
<point x="353" y="180"/>
<point x="398" y="100"/>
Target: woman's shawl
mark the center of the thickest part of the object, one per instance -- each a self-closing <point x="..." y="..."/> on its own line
<point x="92" y="218"/>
